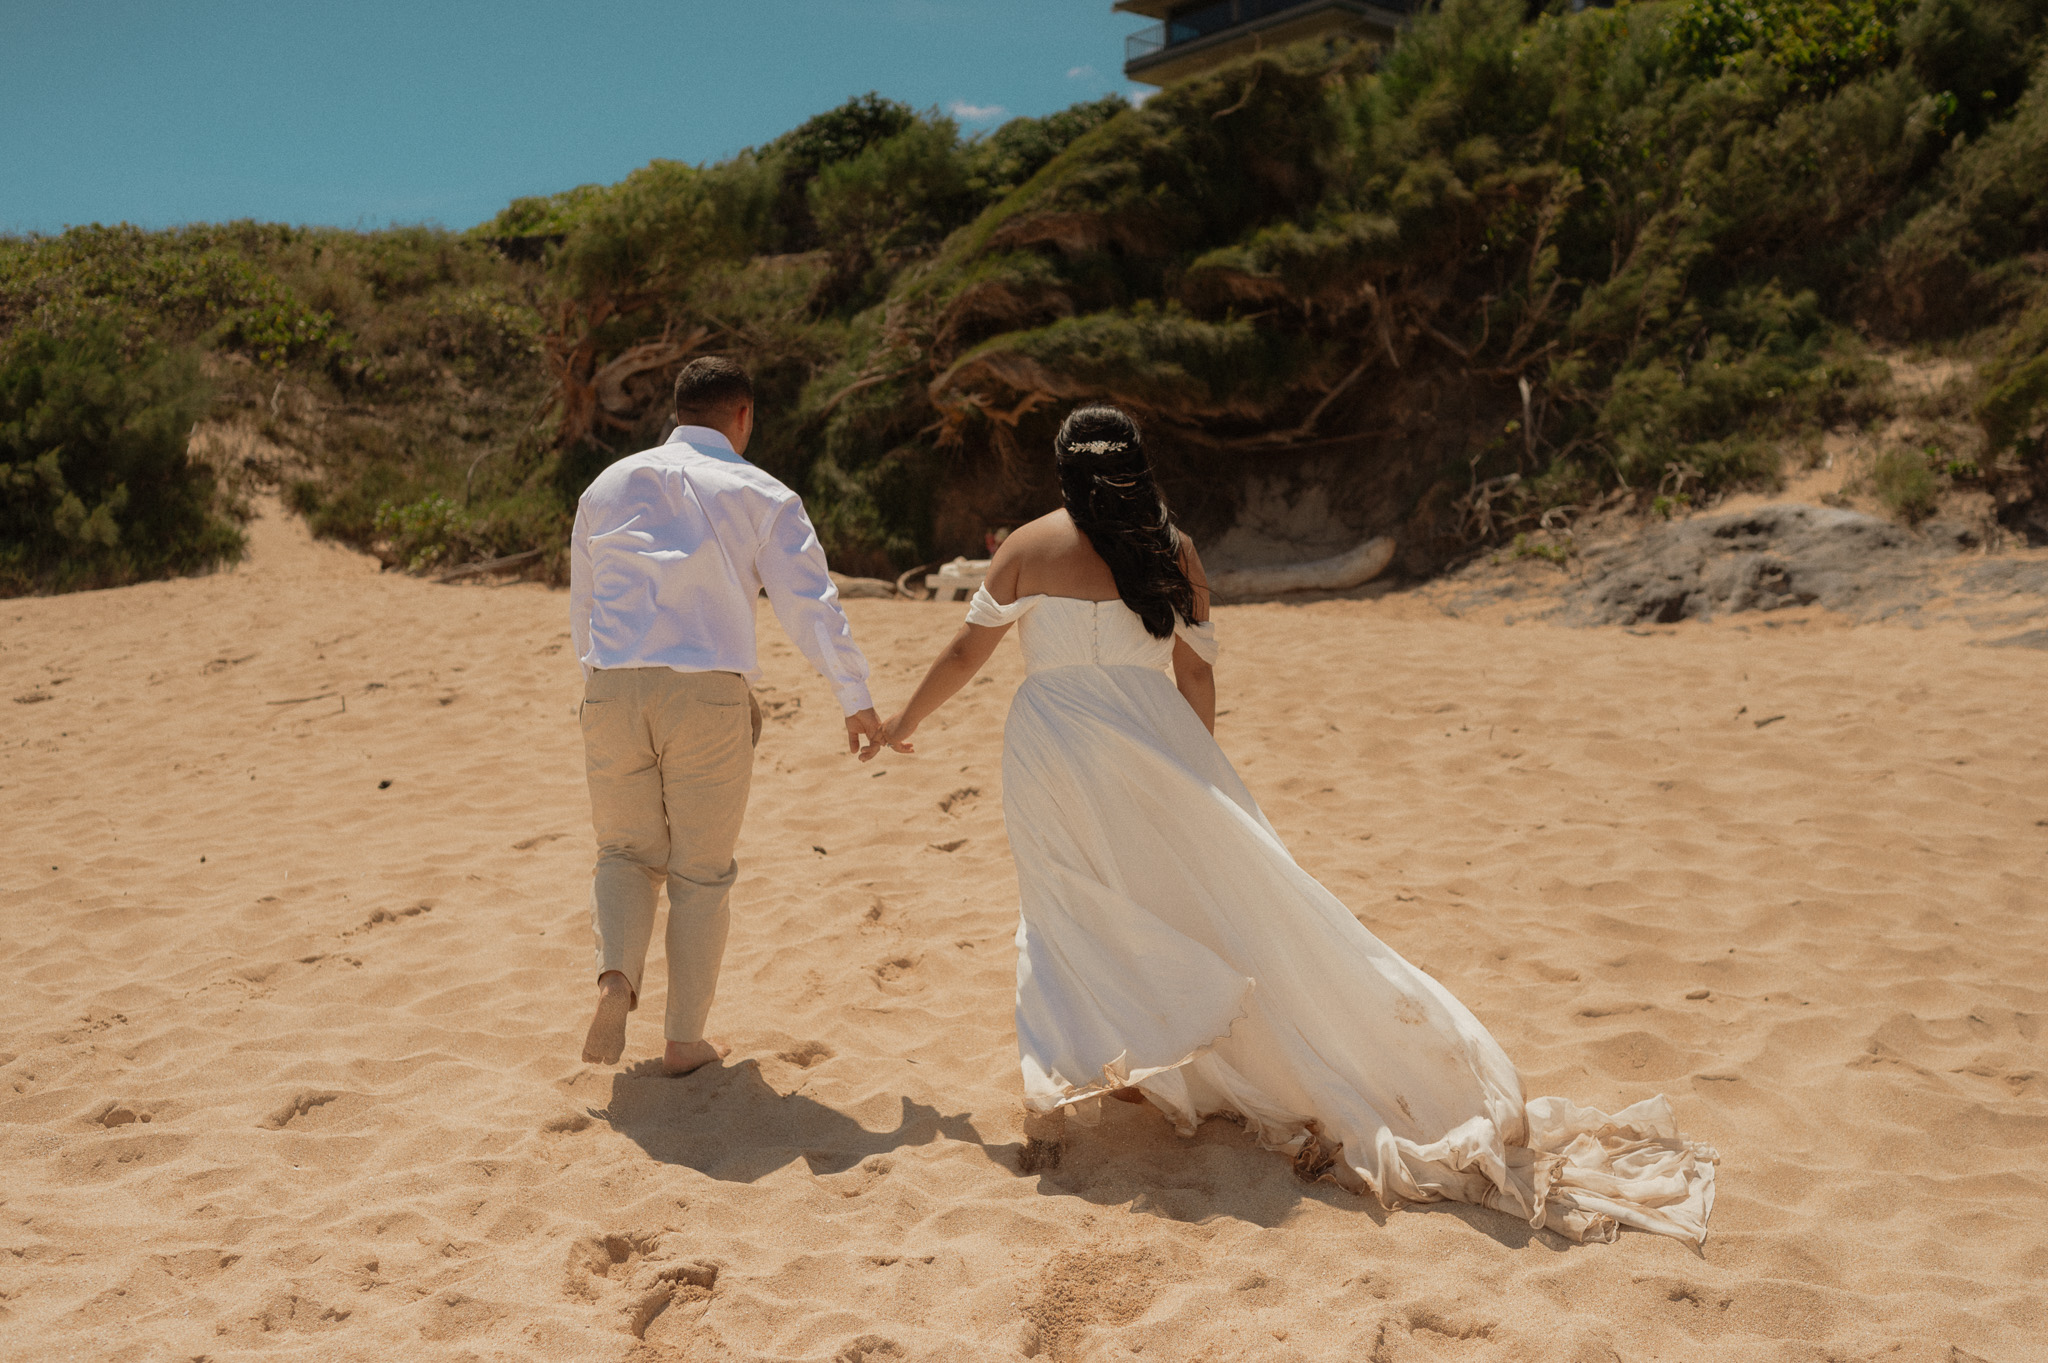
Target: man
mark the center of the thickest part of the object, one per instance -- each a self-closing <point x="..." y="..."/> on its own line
<point x="670" y="550"/>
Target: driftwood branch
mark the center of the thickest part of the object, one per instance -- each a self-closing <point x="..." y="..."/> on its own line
<point x="490" y="565"/>
<point x="903" y="588"/>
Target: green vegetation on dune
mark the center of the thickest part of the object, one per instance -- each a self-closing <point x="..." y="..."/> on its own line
<point x="95" y="486"/>
<point x="1511" y="265"/>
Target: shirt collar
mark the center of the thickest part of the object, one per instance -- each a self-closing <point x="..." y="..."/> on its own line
<point x="706" y="441"/>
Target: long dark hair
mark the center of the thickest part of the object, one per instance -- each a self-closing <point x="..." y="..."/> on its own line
<point x="1106" y="482"/>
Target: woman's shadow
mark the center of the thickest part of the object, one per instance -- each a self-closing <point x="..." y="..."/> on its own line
<point x="731" y="1124"/>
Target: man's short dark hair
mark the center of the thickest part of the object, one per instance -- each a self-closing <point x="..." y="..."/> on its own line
<point x="709" y="388"/>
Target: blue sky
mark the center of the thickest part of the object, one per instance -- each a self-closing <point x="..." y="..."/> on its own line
<point x="366" y="112"/>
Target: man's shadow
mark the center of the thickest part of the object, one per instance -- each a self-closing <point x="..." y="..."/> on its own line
<point x="730" y="1124"/>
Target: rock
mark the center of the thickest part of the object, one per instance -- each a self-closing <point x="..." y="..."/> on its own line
<point x="2008" y="577"/>
<point x="1761" y="560"/>
<point x="1338" y="573"/>
<point x="1952" y="536"/>
<point x="2033" y="638"/>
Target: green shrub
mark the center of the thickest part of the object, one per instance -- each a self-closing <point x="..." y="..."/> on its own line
<point x="542" y="214"/>
<point x="1905" y="484"/>
<point x="1820" y="43"/>
<point x="486" y="330"/>
<point x="901" y="193"/>
<point x="277" y="330"/>
<point x="2014" y="409"/>
<point x="796" y="158"/>
<point x="96" y="488"/>
<point x="1974" y="54"/>
<point x="426" y="533"/>
<point x="1019" y="149"/>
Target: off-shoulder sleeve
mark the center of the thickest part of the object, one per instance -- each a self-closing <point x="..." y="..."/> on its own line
<point x="986" y="610"/>
<point x="1201" y="638"/>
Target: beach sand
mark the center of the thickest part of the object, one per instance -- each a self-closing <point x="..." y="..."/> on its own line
<point x="297" y="966"/>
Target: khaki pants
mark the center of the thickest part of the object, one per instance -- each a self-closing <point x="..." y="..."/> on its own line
<point x="670" y="756"/>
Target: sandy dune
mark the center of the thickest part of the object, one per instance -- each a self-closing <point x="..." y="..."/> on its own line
<point x="295" y="970"/>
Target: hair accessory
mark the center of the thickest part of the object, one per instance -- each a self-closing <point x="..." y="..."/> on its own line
<point x="1099" y="447"/>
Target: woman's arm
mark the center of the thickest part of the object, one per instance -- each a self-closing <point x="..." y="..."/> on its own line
<point x="1194" y="677"/>
<point x="955" y="666"/>
<point x="958" y="661"/>
<point x="1197" y="682"/>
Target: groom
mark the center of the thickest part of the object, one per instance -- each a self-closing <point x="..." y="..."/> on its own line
<point x="670" y="550"/>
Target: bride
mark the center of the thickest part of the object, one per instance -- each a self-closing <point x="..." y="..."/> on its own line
<point x="1172" y="952"/>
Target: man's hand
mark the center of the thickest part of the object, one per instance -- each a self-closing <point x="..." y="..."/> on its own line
<point x="864" y="728"/>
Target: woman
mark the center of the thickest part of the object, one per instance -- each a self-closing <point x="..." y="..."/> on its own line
<point x="1172" y="952"/>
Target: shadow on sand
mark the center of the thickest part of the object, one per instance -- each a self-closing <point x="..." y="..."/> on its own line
<point x="730" y="1124"/>
<point x="1134" y="1159"/>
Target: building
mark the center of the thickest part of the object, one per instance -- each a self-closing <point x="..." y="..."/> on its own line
<point x="1194" y="35"/>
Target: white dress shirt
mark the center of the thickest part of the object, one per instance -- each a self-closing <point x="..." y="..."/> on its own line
<point x="671" y="548"/>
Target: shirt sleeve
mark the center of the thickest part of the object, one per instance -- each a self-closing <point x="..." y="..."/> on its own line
<point x="792" y="569"/>
<point x="579" y="591"/>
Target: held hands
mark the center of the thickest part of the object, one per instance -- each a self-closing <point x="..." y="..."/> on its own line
<point x="867" y="735"/>
<point x="896" y="731"/>
<point x="864" y="728"/>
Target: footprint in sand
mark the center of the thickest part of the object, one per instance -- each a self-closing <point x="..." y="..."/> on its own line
<point x="628" y="1268"/>
<point x="805" y="1054"/>
<point x="382" y="916"/>
<point x="299" y="1105"/>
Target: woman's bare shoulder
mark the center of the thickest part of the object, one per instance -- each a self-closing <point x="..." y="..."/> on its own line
<point x="1031" y="542"/>
<point x="1049" y="531"/>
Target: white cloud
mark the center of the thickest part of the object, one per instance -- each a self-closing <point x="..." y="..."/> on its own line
<point x="1080" y="72"/>
<point x="1139" y="94"/>
<point x="975" y="113"/>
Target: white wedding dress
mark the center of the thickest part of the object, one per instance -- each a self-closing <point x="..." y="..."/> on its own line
<point x="1170" y="943"/>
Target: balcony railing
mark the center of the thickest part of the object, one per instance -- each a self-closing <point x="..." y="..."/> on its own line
<point x="1196" y="21"/>
<point x="1146" y="41"/>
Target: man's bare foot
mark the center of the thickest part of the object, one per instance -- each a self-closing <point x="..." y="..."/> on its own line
<point x="683" y="1056"/>
<point x="607" y="1037"/>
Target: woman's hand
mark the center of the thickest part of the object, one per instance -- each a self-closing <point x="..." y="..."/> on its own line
<point x="896" y="732"/>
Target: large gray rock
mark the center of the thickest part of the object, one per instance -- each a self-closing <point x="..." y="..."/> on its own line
<point x="1761" y="560"/>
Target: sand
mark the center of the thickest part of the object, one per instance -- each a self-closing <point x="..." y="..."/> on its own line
<point x="297" y="967"/>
